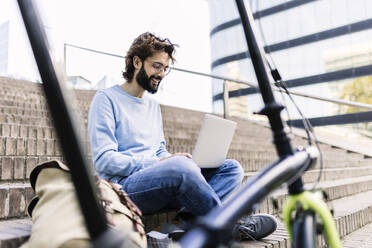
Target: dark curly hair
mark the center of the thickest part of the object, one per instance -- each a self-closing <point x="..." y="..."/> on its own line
<point x="145" y="46"/>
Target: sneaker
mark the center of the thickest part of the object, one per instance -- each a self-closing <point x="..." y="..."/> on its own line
<point x="255" y="227"/>
<point x="173" y="231"/>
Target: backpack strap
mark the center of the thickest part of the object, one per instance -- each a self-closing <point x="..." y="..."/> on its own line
<point x="33" y="178"/>
<point x="49" y="164"/>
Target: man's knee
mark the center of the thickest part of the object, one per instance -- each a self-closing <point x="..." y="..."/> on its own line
<point x="184" y="173"/>
<point x="234" y="166"/>
<point x="181" y="165"/>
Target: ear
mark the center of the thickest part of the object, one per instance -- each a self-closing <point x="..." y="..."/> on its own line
<point x="137" y="62"/>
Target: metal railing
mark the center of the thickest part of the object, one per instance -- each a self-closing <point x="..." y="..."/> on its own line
<point x="225" y="94"/>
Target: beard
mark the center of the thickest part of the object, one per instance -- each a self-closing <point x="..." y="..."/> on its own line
<point x="145" y="81"/>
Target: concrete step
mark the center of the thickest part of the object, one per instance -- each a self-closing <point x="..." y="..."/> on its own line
<point x="329" y="174"/>
<point x="338" y="166"/>
<point x="46" y="132"/>
<point x="15" y="167"/>
<point x="33" y="121"/>
<point x="29" y="147"/>
<point x="361" y="238"/>
<point x="19" y="94"/>
<point x="179" y="114"/>
<point x="23" y="104"/>
<point x="36" y="144"/>
<point x="19" y="130"/>
<point x="256" y="157"/>
<point x="23" y="111"/>
<point x="350" y="212"/>
<point x="344" y="217"/>
<point x="191" y="126"/>
<point x="253" y="144"/>
<point x="35" y="102"/>
<point x="335" y="189"/>
<point x="18" y="168"/>
<point x="27" y="131"/>
<point x="14" y="198"/>
<point x="25" y="120"/>
<point x="253" y="165"/>
<point x="353" y="212"/>
<point x="242" y="143"/>
<point x="34" y="112"/>
<point x="16" y="82"/>
<point x="39" y="95"/>
<point x="187" y="130"/>
<point x="22" y="97"/>
<point x="25" y="87"/>
<point x="13" y="143"/>
<point x="171" y="131"/>
<point x="15" y="232"/>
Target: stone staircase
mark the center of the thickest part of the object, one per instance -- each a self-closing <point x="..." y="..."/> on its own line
<point x="27" y="137"/>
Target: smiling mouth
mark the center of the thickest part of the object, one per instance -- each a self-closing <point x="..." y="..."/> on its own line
<point x="155" y="82"/>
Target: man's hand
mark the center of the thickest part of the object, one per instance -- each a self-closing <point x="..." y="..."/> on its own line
<point x="187" y="155"/>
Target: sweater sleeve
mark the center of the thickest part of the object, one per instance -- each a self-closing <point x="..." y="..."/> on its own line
<point x="104" y="145"/>
<point x="162" y="151"/>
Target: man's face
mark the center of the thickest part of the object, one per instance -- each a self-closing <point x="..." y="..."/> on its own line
<point x="152" y="71"/>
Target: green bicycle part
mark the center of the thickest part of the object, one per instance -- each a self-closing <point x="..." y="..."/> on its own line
<point x="308" y="200"/>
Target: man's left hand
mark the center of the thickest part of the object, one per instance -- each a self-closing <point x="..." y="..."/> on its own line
<point x="187" y="155"/>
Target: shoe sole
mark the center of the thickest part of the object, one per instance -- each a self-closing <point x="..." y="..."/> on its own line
<point x="176" y="235"/>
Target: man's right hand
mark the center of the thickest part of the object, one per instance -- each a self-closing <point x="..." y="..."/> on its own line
<point x="187" y="155"/>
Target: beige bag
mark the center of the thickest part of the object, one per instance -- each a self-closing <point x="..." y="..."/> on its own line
<point x="57" y="218"/>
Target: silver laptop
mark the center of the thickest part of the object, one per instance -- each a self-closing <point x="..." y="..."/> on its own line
<point x="213" y="142"/>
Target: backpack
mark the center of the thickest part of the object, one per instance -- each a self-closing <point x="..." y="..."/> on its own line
<point x="56" y="214"/>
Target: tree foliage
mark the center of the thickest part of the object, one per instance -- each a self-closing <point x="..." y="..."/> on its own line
<point x="358" y="90"/>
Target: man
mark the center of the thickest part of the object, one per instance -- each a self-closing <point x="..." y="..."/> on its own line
<point x="128" y="145"/>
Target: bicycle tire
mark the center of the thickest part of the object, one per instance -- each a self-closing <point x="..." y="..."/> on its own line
<point x="304" y="230"/>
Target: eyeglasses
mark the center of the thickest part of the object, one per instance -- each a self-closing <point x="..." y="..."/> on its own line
<point x="160" y="68"/>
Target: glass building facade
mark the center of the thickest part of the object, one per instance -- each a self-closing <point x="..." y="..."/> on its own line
<point x="4" y="44"/>
<point x="320" y="47"/>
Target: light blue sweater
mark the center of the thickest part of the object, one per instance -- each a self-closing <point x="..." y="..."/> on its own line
<point x="126" y="133"/>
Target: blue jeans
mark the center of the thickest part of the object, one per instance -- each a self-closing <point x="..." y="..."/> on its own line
<point x="178" y="182"/>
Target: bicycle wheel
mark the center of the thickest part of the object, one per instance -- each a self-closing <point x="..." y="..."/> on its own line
<point x="304" y="230"/>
